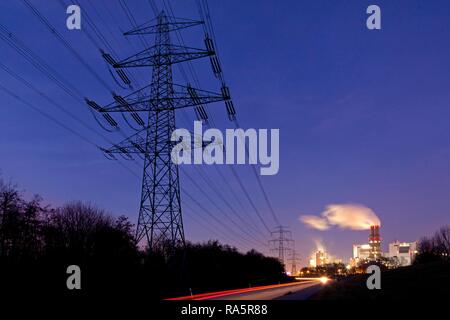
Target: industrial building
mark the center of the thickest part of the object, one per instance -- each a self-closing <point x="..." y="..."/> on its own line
<point x="318" y="258"/>
<point x="404" y="252"/>
<point x="371" y="250"/>
<point x="361" y="251"/>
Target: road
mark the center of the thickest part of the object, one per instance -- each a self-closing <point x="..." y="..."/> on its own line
<point x="286" y="291"/>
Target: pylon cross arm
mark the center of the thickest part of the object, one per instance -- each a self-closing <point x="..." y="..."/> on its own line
<point x="153" y="27"/>
<point x="182" y="97"/>
<point x="155" y="57"/>
<point x="136" y="144"/>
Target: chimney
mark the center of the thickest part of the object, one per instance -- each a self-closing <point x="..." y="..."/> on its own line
<point x="375" y="242"/>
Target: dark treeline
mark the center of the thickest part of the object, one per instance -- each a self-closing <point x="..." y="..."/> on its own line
<point x="435" y="248"/>
<point x="38" y="243"/>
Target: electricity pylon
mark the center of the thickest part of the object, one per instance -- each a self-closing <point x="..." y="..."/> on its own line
<point x="160" y="219"/>
<point x="293" y="259"/>
<point x="282" y="243"/>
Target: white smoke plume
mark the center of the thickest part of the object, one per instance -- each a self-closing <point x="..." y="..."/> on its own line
<point x="319" y="245"/>
<point x="346" y="216"/>
<point x="315" y="222"/>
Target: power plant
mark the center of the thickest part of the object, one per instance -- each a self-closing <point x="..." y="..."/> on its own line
<point x="319" y="258"/>
<point x="368" y="251"/>
<point x="402" y="252"/>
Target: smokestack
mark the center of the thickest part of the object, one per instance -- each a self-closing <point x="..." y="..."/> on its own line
<point x="375" y="242"/>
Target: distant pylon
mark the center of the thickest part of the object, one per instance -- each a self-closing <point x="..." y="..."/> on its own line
<point x="293" y="259"/>
<point x="281" y="242"/>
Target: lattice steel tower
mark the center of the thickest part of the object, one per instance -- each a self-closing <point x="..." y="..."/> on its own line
<point x="293" y="259"/>
<point x="160" y="210"/>
<point x="160" y="219"/>
<point x="281" y="243"/>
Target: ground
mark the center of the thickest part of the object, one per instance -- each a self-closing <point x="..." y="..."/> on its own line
<point x="428" y="281"/>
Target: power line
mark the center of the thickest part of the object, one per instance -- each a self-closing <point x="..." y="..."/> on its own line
<point x="194" y="76"/>
<point x="226" y="201"/>
<point x="78" y="56"/>
<point x="51" y="74"/>
<point x="47" y="115"/>
<point x="46" y="97"/>
<point x="38" y="63"/>
<point x="205" y="14"/>
<point x="239" y="226"/>
<point x="145" y="219"/>
<point x="61" y="124"/>
<point x="154" y="7"/>
<point x="105" y="42"/>
<point x="66" y="44"/>
<point x="210" y="214"/>
<point x="211" y="183"/>
<point x="215" y="231"/>
<point x="160" y="219"/>
<point x="89" y="22"/>
<point x="249" y="199"/>
<point x="133" y="22"/>
<point x="258" y="179"/>
<point x="221" y="224"/>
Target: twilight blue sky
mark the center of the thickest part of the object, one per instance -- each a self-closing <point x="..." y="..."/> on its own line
<point x="363" y="115"/>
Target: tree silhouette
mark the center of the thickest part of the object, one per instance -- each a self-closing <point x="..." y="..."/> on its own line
<point x="435" y="248"/>
<point x="38" y="243"/>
